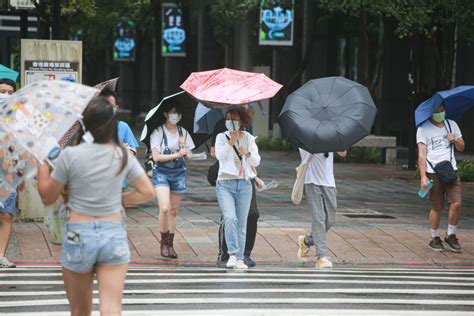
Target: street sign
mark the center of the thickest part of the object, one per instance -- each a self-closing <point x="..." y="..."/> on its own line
<point x="50" y="60"/>
<point x="22" y="4"/>
<point x="173" y="35"/>
<point x="276" y="22"/>
<point x="50" y="70"/>
<point x="125" y="43"/>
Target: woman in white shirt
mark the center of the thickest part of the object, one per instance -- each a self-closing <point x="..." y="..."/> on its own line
<point x="237" y="153"/>
<point x="169" y="144"/>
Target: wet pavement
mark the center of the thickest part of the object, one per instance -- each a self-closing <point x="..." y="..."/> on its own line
<point x="381" y="221"/>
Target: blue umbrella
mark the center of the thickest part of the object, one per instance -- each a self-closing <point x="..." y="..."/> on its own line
<point x="205" y="119"/>
<point x="456" y="102"/>
<point x="7" y="73"/>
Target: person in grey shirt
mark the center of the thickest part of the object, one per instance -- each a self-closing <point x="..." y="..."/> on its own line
<point x="96" y="238"/>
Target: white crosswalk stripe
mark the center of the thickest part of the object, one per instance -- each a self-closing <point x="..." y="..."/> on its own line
<point x="265" y="291"/>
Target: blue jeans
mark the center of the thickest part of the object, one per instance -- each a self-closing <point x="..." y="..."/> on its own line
<point x="86" y="244"/>
<point x="234" y="197"/>
<point x="9" y="205"/>
<point x="175" y="179"/>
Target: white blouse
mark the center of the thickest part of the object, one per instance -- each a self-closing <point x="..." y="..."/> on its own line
<point x="226" y="155"/>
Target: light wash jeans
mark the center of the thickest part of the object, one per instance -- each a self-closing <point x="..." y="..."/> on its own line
<point x="234" y="197"/>
<point x="322" y="202"/>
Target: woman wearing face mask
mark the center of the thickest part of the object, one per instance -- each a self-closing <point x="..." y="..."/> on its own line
<point x="238" y="155"/>
<point x="169" y="144"/>
<point x="8" y="209"/>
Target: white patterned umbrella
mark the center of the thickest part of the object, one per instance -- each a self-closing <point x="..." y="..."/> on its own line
<point x="33" y="120"/>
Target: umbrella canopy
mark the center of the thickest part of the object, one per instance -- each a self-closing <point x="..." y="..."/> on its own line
<point x="7" y="73"/>
<point x="33" y="120"/>
<point x="456" y="101"/>
<point x="205" y="119"/>
<point x="224" y="88"/>
<point x="327" y="115"/>
<point x="109" y="84"/>
<point x="154" y="117"/>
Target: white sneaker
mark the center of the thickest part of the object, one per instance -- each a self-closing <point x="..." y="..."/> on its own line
<point x="232" y="262"/>
<point x="4" y="263"/>
<point x="240" y="265"/>
<point x="323" y="263"/>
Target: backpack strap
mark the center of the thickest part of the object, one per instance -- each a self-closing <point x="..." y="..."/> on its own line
<point x="180" y="131"/>
<point x="451" y="144"/>
<point x="163" y="137"/>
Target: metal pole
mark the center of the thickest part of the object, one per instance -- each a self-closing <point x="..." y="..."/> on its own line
<point x="23" y="24"/>
<point x="56" y="20"/>
<point x="412" y="81"/>
<point x="156" y="28"/>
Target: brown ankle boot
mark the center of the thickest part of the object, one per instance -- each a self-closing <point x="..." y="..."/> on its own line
<point x="165" y="252"/>
<point x="172" y="253"/>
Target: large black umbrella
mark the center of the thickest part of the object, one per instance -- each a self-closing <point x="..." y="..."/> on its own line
<point x="327" y="115"/>
<point x="155" y="118"/>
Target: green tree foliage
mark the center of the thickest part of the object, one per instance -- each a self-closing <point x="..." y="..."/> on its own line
<point x="70" y="9"/>
<point x="226" y="14"/>
<point x="443" y="22"/>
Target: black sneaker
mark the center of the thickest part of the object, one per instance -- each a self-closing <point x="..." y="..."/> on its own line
<point x="222" y="262"/>
<point x="453" y="243"/>
<point x="436" y="244"/>
<point x="249" y="261"/>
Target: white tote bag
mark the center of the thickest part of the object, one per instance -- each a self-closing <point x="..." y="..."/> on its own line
<point x="298" y="187"/>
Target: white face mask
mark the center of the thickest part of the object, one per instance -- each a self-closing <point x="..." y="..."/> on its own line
<point x="232" y="126"/>
<point x="4" y="97"/>
<point x="174" y="118"/>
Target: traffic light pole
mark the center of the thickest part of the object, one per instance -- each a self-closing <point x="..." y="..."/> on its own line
<point x="56" y="20"/>
<point x="23" y="23"/>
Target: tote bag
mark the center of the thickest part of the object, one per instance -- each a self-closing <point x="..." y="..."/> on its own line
<point x="298" y="187"/>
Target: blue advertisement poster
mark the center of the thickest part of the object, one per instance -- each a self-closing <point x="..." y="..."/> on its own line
<point x="173" y="36"/>
<point x="125" y="42"/>
<point x="276" y="22"/>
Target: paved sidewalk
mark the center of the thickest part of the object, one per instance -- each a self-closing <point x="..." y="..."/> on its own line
<point x="381" y="220"/>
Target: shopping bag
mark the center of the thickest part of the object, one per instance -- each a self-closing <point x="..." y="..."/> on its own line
<point x="56" y="216"/>
<point x="298" y="187"/>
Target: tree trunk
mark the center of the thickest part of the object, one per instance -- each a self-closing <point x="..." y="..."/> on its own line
<point x="363" y="74"/>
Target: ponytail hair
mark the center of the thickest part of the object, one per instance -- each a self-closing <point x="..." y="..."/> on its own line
<point x="99" y="119"/>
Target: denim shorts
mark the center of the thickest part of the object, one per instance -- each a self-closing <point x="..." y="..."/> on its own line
<point x="87" y="244"/>
<point x="9" y="206"/>
<point x="175" y="179"/>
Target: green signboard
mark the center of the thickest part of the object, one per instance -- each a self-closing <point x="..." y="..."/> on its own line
<point x="173" y="35"/>
<point x="276" y="22"/>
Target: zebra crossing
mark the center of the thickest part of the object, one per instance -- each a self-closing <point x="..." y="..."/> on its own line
<point x="38" y="290"/>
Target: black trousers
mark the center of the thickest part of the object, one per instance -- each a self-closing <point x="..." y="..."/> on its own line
<point x="252" y="220"/>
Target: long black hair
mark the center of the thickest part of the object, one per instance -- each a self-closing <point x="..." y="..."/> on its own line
<point x="99" y="119"/>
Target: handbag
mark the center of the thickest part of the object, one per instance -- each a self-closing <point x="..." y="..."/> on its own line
<point x="212" y="173"/>
<point x="444" y="169"/>
<point x="298" y="187"/>
<point x="56" y="217"/>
